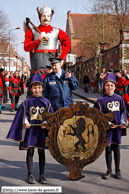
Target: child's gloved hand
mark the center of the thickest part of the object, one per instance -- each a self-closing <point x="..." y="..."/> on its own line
<point x="44" y="125"/>
<point x="113" y="126"/>
<point x="123" y="126"/>
<point x="27" y="125"/>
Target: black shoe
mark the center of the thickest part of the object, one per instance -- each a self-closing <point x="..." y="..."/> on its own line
<point x="31" y="179"/>
<point x="12" y="110"/>
<point x="15" y="109"/>
<point x="118" y="174"/>
<point x="0" y="112"/>
<point x="2" y="107"/>
<point x="108" y="174"/>
<point x="42" y="180"/>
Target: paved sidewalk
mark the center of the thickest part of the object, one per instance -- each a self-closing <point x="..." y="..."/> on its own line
<point x="91" y="97"/>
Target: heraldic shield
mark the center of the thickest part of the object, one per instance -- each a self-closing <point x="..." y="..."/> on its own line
<point x="77" y="136"/>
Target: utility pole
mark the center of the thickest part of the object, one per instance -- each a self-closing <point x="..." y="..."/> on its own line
<point x="9" y="44"/>
<point x="102" y="21"/>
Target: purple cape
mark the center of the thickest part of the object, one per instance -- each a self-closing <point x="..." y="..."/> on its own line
<point x="35" y="135"/>
<point x="116" y="105"/>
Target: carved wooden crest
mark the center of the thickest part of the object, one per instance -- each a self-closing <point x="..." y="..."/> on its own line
<point x="76" y="136"/>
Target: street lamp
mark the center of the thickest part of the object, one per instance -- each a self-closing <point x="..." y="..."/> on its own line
<point x="9" y="44"/>
<point x="17" y="52"/>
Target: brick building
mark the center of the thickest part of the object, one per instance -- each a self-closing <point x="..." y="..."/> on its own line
<point x="82" y="67"/>
<point x="116" y="57"/>
<point x="85" y="31"/>
<point x="76" y="30"/>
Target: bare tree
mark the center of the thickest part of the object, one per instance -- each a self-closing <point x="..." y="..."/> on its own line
<point x="108" y="18"/>
<point x="120" y="9"/>
<point x="4" y="32"/>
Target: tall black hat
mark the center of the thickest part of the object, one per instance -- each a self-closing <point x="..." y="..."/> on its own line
<point x="110" y="71"/>
<point x="1" y="69"/>
<point x="117" y="71"/>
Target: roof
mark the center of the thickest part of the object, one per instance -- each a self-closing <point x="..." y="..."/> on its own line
<point x="79" y="23"/>
<point x="3" y="46"/>
<point x="4" y="49"/>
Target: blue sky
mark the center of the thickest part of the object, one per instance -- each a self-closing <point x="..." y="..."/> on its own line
<point x="18" y="10"/>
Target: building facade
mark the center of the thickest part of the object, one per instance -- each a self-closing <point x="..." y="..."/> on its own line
<point x="11" y="61"/>
<point x="110" y="58"/>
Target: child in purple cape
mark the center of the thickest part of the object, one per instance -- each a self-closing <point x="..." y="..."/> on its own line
<point x="29" y="136"/>
<point x="114" y="103"/>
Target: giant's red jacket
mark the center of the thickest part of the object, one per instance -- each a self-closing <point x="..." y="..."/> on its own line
<point x="29" y="44"/>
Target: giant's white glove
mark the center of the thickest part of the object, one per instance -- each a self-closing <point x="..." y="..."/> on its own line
<point x="62" y="62"/>
<point x="42" y="35"/>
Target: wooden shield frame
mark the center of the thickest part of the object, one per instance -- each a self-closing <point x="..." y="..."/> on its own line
<point x="57" y="119"/>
